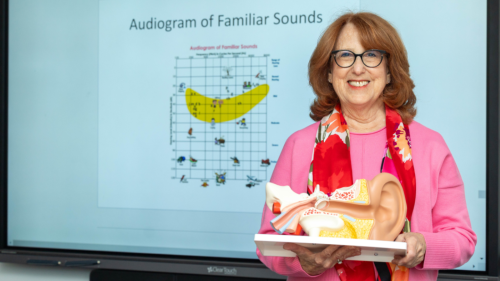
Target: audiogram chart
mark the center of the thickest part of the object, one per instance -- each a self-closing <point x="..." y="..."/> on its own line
<point x="219" y="119"/>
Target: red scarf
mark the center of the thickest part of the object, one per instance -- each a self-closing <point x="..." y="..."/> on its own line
<point x="331" y="170"/>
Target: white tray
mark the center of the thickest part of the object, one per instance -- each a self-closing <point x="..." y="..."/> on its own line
<point x="371" y="250"/>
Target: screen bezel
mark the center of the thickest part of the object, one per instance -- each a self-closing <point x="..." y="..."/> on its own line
<point x="249" y="267"/>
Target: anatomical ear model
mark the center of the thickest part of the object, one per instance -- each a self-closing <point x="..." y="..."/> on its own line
<point x="369" y="209"/>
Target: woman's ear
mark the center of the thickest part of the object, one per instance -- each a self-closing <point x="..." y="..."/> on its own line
<point x="330" y="77"/>
<point x="388" y="78"/>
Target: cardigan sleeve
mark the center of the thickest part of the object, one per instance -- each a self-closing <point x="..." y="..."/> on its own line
<point x="452" y="240"/>
<point x="282" y="175"/>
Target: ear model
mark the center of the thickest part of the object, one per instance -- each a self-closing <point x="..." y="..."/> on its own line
<point x="283" y="195"/>
<point x="387" y="207"/>
<point x="389" y="204"/>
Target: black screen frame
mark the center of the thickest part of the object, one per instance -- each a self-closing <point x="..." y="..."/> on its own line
<point x="249" y="267"/>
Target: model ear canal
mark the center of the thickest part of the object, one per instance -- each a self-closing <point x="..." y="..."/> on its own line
<point x="276" y="208"/>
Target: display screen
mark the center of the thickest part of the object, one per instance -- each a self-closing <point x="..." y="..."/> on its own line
<point x="148" y="126"/>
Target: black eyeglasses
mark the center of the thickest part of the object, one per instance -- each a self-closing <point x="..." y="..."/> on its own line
<point x="370" y="58"/>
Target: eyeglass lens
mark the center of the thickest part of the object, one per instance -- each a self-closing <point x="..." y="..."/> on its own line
<point x="370" y="58"/>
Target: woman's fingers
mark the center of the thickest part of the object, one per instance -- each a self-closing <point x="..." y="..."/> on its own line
<point x="297" y="249"/>
<point x="332" y="254"/>
<point x="400" y="238"/>
<point x="348" y="251"/>
<point x="308" y="260"/>
<point x="415" y="249"/>
<point x="324" y="258"/>
<point x="319" y="262"/>
<point x="397" y="259"/>
<point x="316" y="263"/>
<point x="328" y="251"/>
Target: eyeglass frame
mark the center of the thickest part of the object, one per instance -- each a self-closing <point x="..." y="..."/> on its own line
<point x="359" y="55"/>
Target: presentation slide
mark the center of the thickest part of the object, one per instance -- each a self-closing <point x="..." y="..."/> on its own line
<point x="156" y="125"/>
<point x="200" y="101"/>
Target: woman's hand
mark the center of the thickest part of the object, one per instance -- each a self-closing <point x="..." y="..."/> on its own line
<point x="317" y="263"/>
<point x="415" y="251"/>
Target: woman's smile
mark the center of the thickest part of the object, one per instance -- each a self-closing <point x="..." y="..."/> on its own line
<point x="358" y="84"/>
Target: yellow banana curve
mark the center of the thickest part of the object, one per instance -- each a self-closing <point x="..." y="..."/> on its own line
<point x="223" y="110"/>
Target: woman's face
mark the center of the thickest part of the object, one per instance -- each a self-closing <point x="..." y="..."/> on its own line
<point x="357" y="85"/>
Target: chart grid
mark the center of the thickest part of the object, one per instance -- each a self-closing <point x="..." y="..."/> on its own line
<point x="232" y="90"/>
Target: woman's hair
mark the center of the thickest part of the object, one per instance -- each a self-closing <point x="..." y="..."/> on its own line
<point x="374" y="33"/>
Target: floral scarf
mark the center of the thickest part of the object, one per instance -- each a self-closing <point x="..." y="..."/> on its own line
<point x="331" y="170"/>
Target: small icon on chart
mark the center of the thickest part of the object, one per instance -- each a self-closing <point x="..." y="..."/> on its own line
<point x="215" y="102"/>
<point x="205" y="184"/>
<point x="220" y="140"/>
<point x="265" y="162"/>
<point x="252" y="178"/>
<point x="242" y="122"/>
<point x="182" y="87"/>
<point x="227" y="70"/>
<point x="250" y="184"/>
<point x="220" y="178"/>
<point x="181" y="159"/>
<point x="192" y="160"/>
<point x="235" y="160"/>
<point x="184" y="179"/>
<point x="190" y="132"/>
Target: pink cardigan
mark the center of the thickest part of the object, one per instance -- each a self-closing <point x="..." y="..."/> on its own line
<point x="440" y="212"/>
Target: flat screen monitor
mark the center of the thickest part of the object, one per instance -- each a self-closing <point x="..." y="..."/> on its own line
<point x="147" y="130"/>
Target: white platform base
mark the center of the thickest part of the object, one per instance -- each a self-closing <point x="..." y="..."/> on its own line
<point x="371" y="250"/>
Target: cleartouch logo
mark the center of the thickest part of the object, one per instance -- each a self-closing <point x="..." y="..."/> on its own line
<point x="222" y="270"/>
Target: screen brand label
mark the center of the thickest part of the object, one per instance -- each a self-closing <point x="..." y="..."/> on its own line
<point x="222" y="270"/>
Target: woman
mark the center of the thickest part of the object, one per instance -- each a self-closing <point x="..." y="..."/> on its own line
<point x="365" y="105"/>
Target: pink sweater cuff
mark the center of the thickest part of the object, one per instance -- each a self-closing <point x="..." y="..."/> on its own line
<point x="440" y="252"/>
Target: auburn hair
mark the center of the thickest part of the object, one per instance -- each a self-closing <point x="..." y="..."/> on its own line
<point x="375" y="33"/>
